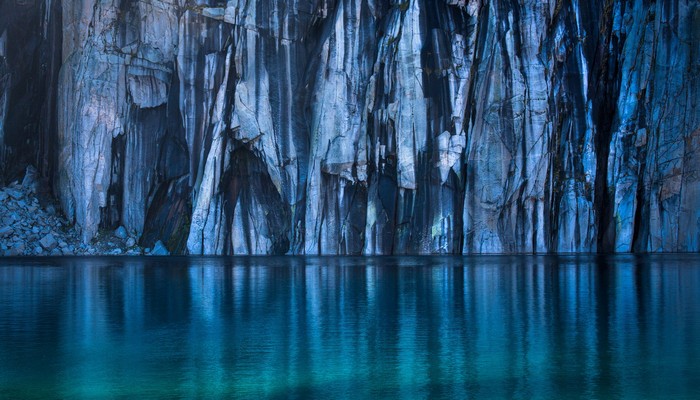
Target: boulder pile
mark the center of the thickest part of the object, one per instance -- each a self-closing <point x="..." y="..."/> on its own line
<point x="31" y="224"/>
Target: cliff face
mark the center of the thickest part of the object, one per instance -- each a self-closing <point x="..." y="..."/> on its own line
<point x="361" y="126"/>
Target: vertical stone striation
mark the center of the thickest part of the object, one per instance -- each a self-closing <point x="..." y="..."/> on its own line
<point x="362" y="126"/>
<point x="530" y="157"/>
<point x="5" y="84"/>
<point x="336" y="191"/>
<point x="30" y="48"/>
<point x="250" y="177"/>
<point x="92" y="109"/>
<point x="653" y="167"/>
<point x="118" y="66"/>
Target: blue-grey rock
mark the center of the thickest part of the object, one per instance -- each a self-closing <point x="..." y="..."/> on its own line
<point x="30" y="180"/>
<point x="361" y="127"/>
<point x="6" y="231"/>
<point x="16" y="194"/>
<point x="121" y="232"/>
<point x="48" y="242"/>
<point x="16" y="250"/>
<point x="159" y="249"/>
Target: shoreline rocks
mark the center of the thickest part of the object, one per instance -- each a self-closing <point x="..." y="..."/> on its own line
<point x="29" y="229"/>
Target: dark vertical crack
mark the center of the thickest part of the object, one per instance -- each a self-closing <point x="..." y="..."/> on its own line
<point x="605" y="94"/>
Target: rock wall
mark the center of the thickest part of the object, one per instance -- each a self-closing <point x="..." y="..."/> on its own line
<point x="361" y="126"/>
<point x="30" y="58"/>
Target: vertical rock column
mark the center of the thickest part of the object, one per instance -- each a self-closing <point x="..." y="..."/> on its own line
<point x="115" y="80"/>
<point x="508" y="134"/>
<point x="92" y="109"/>
<point x="414" y="128"/>
<point x="30" y="36"/>
<point x="5" y="83"/>
<point x="569" y="213"/>
<point x="336" y="193"/>
<point x="400" y="135"/>
<point x="150" y="37"/>
<point x="249" y="185"/>
<point x="530" y="156"/>
<point x="653" y="168"/>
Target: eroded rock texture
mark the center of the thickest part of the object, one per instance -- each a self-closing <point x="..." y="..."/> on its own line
<point x="361" y="126"/>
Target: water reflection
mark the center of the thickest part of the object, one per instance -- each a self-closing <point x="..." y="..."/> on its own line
<point x="438" y="327"/>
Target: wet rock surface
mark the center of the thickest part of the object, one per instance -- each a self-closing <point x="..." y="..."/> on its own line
<point x="360" y="127"/>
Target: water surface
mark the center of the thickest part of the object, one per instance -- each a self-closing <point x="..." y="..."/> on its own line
<point x="409" y="327"/>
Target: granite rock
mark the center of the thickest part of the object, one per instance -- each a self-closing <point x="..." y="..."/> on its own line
<point x="6" y="231"/>
<point x="159" y="249"/>
<point x="48" y="242"/>
<point x="121" y="233"/>
<point x="361" y="127"/>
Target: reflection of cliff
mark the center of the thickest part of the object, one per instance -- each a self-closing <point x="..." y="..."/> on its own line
<point x="335" y="126"/>
<point x="327" y="327"/>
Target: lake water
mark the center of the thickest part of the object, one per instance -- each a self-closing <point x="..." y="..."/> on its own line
<point x="328" y="328"/>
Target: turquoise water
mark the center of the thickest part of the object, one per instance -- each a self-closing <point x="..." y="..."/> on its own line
<point x="328" y="328"/>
